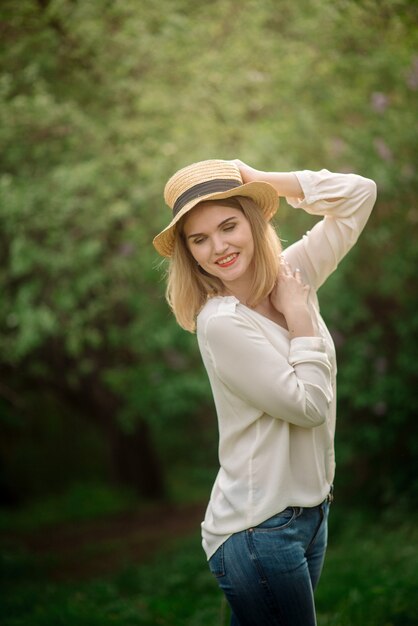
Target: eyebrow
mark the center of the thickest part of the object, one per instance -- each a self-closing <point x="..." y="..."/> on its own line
<point x="228" y="219"/>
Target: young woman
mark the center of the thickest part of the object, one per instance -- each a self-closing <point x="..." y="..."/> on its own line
<point x="271" y="364"/>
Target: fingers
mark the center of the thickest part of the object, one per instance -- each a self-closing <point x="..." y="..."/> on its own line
<point x="238" y="162"/>
<point x="285" y="267"/>
<point x="287" y="270"/>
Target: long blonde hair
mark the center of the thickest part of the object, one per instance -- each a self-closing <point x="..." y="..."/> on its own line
<point x="188" y="287"/>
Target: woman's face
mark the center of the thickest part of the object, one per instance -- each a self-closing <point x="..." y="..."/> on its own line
<point x="220" y="240"/>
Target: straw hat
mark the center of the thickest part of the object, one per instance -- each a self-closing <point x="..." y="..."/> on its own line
<point x="209" y="180"/>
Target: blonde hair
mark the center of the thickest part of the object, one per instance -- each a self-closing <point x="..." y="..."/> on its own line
<point x="188" y="287"/>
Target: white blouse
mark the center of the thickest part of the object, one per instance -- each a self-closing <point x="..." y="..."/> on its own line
<point x="275" y="397"/>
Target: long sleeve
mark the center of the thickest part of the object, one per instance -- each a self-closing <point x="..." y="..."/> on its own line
<point x="345" y="201"/>
<point x="294" y="387"/>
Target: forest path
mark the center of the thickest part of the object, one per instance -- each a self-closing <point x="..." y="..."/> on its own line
<point x="94" y="548"/>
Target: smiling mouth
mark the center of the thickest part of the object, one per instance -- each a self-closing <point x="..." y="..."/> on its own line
<point x="226" y="261"/>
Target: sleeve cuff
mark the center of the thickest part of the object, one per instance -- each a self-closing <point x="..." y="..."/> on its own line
<point x="308" y="181"/>
<point x="306" y="349"/>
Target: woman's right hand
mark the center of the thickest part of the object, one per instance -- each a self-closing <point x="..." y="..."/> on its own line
<point x="290" y="297"/>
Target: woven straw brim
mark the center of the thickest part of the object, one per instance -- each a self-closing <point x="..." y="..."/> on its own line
<point x="263" y="194"/>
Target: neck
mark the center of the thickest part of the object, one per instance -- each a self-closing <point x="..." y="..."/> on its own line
<point x="241" y="292"/>
<point x="241" y="287"/>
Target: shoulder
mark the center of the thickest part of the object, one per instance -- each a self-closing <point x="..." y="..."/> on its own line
<point x="221" y="315"/>
<point x="217" y="307"/>
<point x="224" y="321"/>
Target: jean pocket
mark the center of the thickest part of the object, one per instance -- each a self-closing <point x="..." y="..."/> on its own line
<point x="280" y="520"/>
<point x="217" y="563"/>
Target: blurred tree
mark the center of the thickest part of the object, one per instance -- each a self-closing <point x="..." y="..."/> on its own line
<point x="100" y="103"/>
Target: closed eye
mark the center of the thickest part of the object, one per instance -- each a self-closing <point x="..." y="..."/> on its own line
<point x="226" y="228"/>
<point x="225" y="225"/>
<point x="198" y="240"/>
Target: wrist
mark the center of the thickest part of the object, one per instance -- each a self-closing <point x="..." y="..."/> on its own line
<point x="299" y="321"/>
<point x="285" y="183"/>
<point x="295" y="309"/>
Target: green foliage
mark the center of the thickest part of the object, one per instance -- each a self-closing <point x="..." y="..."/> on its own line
<point x="101" y="102"/>
<point x="369" y="577"/>
<point x="81" y="502"/>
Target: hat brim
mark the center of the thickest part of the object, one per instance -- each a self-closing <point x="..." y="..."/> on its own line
<point x="263" y="194"/>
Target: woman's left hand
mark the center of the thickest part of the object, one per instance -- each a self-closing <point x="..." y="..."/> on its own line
<point x="248" y="174"/>
<point x="285" y="183"/>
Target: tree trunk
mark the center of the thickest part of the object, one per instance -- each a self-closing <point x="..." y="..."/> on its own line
<point x="134" y="457"/>
<point x="136" y="462"/>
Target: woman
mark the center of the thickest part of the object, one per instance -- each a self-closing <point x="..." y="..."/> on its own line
<point x="271" y="365"/>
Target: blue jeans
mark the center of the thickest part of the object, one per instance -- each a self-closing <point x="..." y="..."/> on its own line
<point x="269" y="573"/>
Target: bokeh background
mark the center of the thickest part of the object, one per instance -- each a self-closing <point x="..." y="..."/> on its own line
<point x="108" y="434"/>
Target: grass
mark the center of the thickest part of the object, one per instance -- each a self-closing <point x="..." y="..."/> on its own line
<point x="370" y="579"/>
<point x="82" y="501"/>
<point x="371" y="574"/>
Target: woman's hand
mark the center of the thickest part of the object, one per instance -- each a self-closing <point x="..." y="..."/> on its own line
<point x="248" y="174"/>
<point x="285" y="183"/>
<point x="289" y="291"/>
<point x="290" y="297"/>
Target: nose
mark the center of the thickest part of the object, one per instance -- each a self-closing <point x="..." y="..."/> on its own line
<point x="219" y="244"/>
